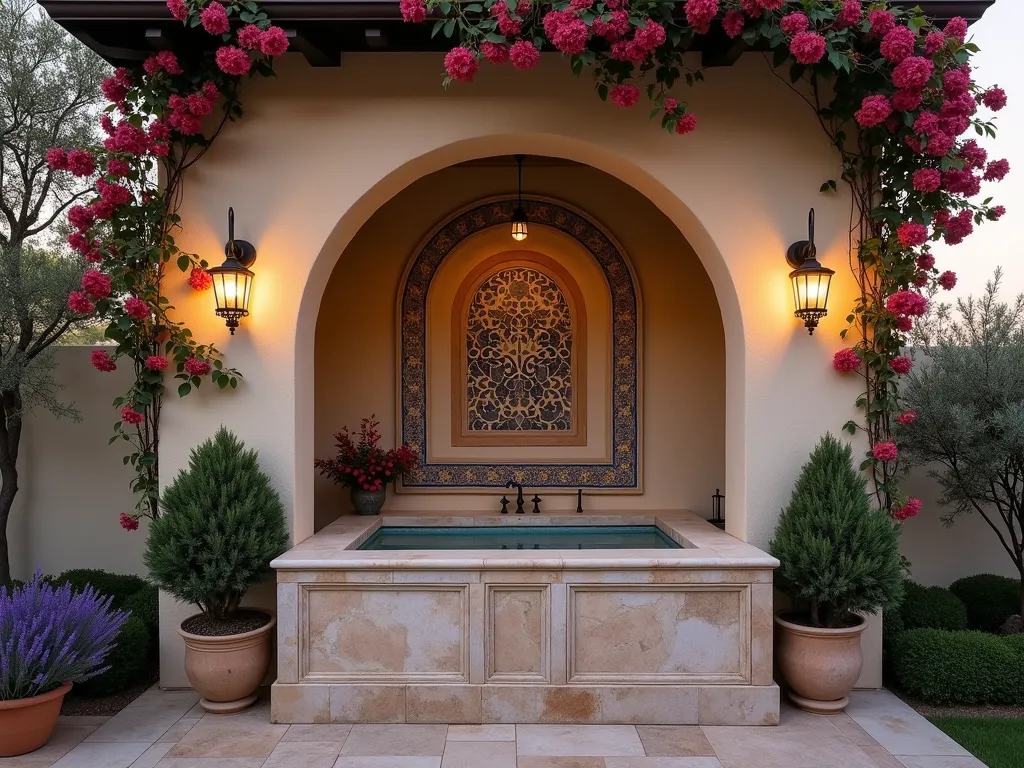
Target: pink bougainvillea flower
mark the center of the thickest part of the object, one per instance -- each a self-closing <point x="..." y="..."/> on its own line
<point x="114" y="90"/>
<point x="700" y="13"/>
<point x="670" y="105"/>
<point x="96" y="284"/>
<point x="940" y="144"/>
<point x="461" y="64"/>
<point x="625" y="95"/>
<point x="911" y="234"/>
<point x="920" y="281"/>
<point x="733" y="22"/>
<point x="947" y="280"/>
<point x="898" y="44"/>
<point x="885" y="451"/>
<point x="959" y="227"/>
<point x="959" y="182"/>
<point x="81" y="162"/>
<point x="973" y="155"/>
<point x="995" y="214"/>
<point x="102" y="361"/>
<point x="249" y="36"/>
<point x="913" y="72"/>
<point x="997" y="170"/>
<point x="232" y="60"/>
<point x="118" y="168"/>
<point x="927" y="179"/>
<point x="178" y="9"/>
<point x="901" y="365"/>
<point x="650" y="37"/>
<point x="873" y="111"/>
<point x="136" y="308"/>
<point x="57" y="159"/>
<point x="908" y="303"/>
<point x="994" y="99"/>
<point x="81" y="217"/>
<point x="128" y="522"/>
<point x="214" y="19"/>
<point x="274" y="42"/>
<point x="849" y="15"/>
<point x="200" y="279"/>
<point x="80" y="304"/>
<point x="770" y="5"/>
<point x="882" y="22"/>
<point x="78" y="242"/>
<point x="807" y="47"/>
<point x="169" y="62"/>
<point x="907" y="417"/>
<point x="196" y="367"/>
<point x="571" y="36"/>
<point x="507" y="24"/>
<point x="413" y="11"/>
<point x="524" y="55"/>
<point x="907" y="99"/>
<point x="794" y="23"/>
<point x="130" y="416"/>
<point x="127" y="138"/>
<point x="846" y="360"/>
<point x="904" y="323"/>
<point x="911" y="509"/>
<point x="934" y="42"/>
<point x="955" y="83"/>
<point x="957" y="29"/>
<point x="156" y="362"/>
<point x="496" y="53"/>
<point x="687" y="124"/>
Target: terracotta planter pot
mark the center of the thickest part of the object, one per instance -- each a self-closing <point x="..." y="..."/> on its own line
<point x="27" y="724"/>
<point x="226" y="670"/>
<point x="819" y="665"/>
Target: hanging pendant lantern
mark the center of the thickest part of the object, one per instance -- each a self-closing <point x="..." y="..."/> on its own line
<point x="520" y="224"/>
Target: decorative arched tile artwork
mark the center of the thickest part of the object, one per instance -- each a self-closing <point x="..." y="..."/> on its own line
<point x="553" y="396"/>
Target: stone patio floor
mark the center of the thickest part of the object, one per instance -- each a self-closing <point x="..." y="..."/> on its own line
<point x="167" y="729"/>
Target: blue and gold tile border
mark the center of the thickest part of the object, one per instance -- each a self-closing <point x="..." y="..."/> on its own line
<point x="623" y="472"/>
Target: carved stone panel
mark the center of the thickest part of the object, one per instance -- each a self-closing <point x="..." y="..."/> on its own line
<point x="517" y="626"/>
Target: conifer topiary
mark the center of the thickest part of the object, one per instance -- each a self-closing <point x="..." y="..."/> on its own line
<point x="839" y="557"/>
<point x="221" y="525"/>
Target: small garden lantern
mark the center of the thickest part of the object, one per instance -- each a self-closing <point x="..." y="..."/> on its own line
<point x="520" y="224"/>
<point x="811" y="281"/>
<point x="232" y="280"/>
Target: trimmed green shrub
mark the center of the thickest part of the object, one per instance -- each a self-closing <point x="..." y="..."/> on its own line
<point x="990" y="599"/>
<point x="221" y="525"/>
<point x="145" y="605"/>
<point x="963" y="667"/>
<point x="932" y="608"/>
<point x="892" y="627"/>
<point x="127" y="661"/>
<point x="838" y="555"/>
<point x="120" y="586"/>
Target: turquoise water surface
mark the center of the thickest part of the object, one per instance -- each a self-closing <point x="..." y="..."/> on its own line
<point x="521" y="537"/>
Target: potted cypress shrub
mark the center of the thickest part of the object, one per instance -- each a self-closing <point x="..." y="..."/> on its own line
<point x="49" y="639"/>
<point x="839" y="560"/>
<point x="220" y="526"/>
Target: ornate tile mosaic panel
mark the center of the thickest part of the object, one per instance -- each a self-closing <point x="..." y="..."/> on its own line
<point x="518" y="347"/>
<point x="622" y="472"/>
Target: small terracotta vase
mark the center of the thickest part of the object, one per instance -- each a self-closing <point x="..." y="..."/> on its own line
<point x="27" y="724"/>
<point x="227" y="670"/>
<point x="820" y="665"/>
<point x="369" y="502"/>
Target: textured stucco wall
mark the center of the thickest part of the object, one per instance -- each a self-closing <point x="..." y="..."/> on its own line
<point x="72" y="485"/>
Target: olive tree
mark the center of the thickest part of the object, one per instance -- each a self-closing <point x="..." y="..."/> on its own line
<point x="967" y="425"/>
<point x="49" y="97"/>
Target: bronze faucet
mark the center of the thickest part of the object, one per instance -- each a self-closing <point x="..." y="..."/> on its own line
<point x="519" y="496"/>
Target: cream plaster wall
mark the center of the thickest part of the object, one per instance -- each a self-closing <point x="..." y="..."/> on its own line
<point x="683" y="356"/>
<point x="72" y="485"/>
<point x="320" y="150"/>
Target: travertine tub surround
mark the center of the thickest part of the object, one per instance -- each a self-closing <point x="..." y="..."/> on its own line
<point x="667" y="636"/>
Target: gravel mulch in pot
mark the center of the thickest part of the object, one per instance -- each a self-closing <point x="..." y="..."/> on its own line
<point x="246" y="620"/>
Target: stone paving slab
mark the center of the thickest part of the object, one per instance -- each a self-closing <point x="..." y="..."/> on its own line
<point x="167" y="729"/>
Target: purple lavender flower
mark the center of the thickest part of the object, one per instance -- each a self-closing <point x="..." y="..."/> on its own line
<point x="51" y="636"/>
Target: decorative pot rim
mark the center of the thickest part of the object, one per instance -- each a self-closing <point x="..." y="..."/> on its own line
<point x="214" y="639"/>
<point x="33" y="700"/>
<point x="822" y="632"/>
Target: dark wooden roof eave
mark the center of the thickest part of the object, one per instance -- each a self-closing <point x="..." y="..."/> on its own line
<point x="126" y="31"/>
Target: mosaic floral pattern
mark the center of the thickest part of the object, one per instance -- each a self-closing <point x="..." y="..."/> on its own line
<point x="519" y="354"/>
<point x="623" y="471"/>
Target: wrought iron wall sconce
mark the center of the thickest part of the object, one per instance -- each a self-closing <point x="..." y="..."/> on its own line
<point x="811" y="281"/>
<point x="232" y="280"/>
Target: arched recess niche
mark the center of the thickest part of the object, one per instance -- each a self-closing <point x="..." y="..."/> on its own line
<point x="601" y="454"/>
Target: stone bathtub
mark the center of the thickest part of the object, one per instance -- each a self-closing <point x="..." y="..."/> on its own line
<point x="675" y="636"/>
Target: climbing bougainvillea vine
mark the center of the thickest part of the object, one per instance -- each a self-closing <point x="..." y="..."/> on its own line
<point x="161" y="119"/>
<point x="893" y="92"/>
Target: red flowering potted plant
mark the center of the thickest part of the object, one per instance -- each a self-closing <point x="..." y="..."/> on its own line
<point x="365" y="467"/>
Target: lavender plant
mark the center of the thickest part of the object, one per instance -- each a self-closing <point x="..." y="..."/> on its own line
<point x="51" y="636"/>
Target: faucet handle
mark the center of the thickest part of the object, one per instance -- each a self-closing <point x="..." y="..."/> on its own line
<point x="536" y="504"/>
<point x="504" y="505"/>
